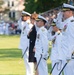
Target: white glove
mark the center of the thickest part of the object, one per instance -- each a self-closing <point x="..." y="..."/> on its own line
<point x="45" y="56"/>
<point x="58" y="61"/>
<point x="59" y="64"/>
<point x="68" y="57"/>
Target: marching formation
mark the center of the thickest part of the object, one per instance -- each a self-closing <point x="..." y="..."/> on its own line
<point x="34" y="42"/>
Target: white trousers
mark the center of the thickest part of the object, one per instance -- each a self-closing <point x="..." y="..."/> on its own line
<point x="29" y="65"/>
<point x="7" y="32"/>
<point x="57" y="68"/>
<point x="69" y="69"/>
<point x="42" y="68"/>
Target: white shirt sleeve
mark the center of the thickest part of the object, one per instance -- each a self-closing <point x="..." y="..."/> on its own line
<point x="44" y="41"/>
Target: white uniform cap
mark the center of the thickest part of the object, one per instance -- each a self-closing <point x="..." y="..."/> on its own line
<point x="68" y="6"/>
<point x="26" y="13"/>
<point x="41" y="17"/>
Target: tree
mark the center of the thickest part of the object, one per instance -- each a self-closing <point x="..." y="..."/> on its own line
<point x="31" y="5"/>
<point x="42" y="5"/>
<point x="1" y="2"/>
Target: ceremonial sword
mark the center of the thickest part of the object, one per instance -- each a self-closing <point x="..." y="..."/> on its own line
<point x="38" y="62"/>
<point x="64" y="67"/>
<point x="24" y="52"/>
<point x="52" y="68"/>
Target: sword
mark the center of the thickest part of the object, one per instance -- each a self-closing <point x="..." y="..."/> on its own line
<point x="24" y="52"/>
<point x="64" y="67"/>
<point x="53" y="68"/>
<point x="38" y="62"/>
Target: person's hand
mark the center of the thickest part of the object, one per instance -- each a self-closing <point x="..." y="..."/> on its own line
<point x="34" y="49"/>
<point x="59" y="63"/>
<point x="53" y="16"/>
<point x="29" y="32"/>
<point x="69" y="56"/>
<point x="45" y="56"/>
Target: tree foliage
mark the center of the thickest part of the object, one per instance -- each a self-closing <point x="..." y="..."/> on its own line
<point x="1" y="2"/>
<point x="42" y="5"/>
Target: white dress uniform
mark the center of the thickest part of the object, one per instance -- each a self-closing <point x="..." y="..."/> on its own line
<point x="4" y="27"/>
<point x="31" y="64"/>
<point x="1" y="28"/>
<point x="7" y="29"/>
<point x="67" y="44"/>
<point x="19" y="24"/>
<point x="24" y="31"/>
<point x="24" y="43"/>
<point x="41" y="46"/>
<point x="50" y="36"/>
<point x="58" y="20"/>
<point x="56" y="53"/>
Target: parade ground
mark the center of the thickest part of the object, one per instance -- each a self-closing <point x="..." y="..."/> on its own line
<point x="10" y="57"/>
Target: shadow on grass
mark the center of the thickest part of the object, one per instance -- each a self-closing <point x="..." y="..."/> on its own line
<point x="8" y="36"/>
<point x="10" y="53"/>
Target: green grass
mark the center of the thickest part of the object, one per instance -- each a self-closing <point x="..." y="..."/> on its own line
<point x="10" y="56"/>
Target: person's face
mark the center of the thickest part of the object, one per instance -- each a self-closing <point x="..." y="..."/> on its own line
<point x="28" y="17"/>
<point x="40" y="23"/>
<point x="32" y="21"/>
<point x="24" y="18"/>
<point x="66" y="14"/>
<point x="37" y="23"/>
<point x="55" y="29"/>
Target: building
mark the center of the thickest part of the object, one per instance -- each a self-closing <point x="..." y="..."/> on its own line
<point x="15" y="8"/>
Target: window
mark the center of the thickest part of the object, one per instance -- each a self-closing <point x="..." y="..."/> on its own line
<point x="8" y="3"/>
<point x="12" y="3"/>
<point x="12" y="14"/>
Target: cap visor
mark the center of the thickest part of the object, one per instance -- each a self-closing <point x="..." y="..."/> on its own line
<point x="65" y="9"/>
<point x="53" y="24"/>
<point x="38" y="19"/>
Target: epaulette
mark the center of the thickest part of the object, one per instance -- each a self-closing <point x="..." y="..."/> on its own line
<point x="72" y="20"/>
